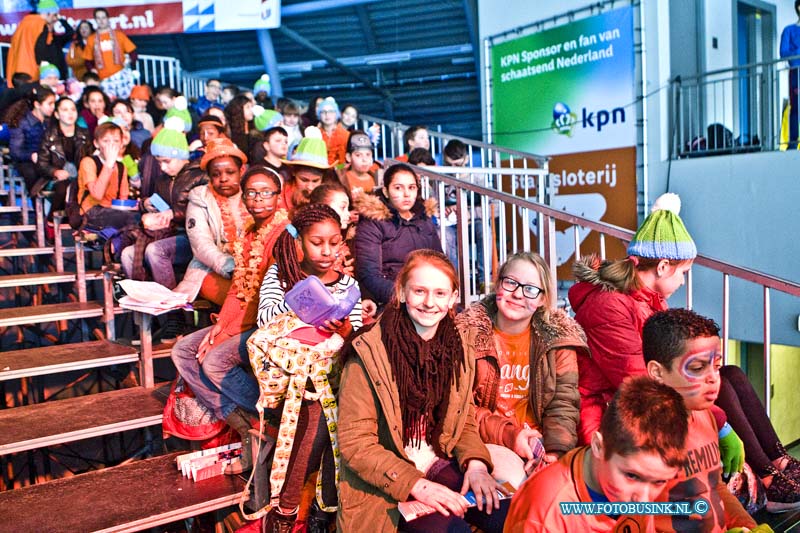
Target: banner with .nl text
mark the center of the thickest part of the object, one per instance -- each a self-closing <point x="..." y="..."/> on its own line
<point x="137" y="17"/>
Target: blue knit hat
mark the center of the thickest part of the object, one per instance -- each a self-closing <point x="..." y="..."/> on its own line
<point x="662" y="235"/>
<point x="328" y="104"/>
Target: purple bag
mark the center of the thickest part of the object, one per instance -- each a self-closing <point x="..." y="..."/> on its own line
<point x="313" y="303"/>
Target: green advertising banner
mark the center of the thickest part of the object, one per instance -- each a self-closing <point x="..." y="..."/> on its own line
<point x="569" y="89"/>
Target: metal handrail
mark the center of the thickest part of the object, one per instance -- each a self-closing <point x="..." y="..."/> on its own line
<point x="400" y="127"/>
<point x="701" y="75"/>
<point x="548" y="217"/>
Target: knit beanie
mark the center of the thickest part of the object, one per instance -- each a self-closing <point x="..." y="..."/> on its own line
<point x="262" y="85"/>
<point x="140" y="92"/>
<point x="662" y="235"/>
<point x="47" y="6"/>
<point x="265" y="118"/>
<point x="171" y="140"/>
<point x="311" y="152"/>
<point x="328" y="104"/>
<point x="180" y="110"/>
<point x="48" y="69"/>
<point x="119" y="122"/>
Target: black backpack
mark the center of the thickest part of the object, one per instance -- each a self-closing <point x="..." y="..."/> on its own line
<point x="73" y="209"/>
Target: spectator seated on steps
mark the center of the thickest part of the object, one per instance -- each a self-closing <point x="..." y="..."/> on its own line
<point x="215" y="218"/>
<point x="162" y="242"/>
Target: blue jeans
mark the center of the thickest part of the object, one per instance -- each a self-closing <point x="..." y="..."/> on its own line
<point x="160" y="256"/>
<point x="451" y="235"/>
<point x="224" y="381"/>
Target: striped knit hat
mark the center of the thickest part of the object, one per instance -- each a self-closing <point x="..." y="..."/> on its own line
<point x="662" y="235"/>
<point x="311" y="152"/>
<point x="171" y="141"/>
<point x="265" y="119"/>
<point x="180" y="109"/>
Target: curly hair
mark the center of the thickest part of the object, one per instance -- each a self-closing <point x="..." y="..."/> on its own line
<point x="666" y="333"/>
<point x="285" y="251"/>
<point x="238" y="125"/>
<point x="19" y="109"/>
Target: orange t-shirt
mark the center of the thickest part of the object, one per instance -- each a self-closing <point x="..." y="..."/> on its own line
<point x="514" y="361"/>
<point x="336" y="142"/>
<point x="701" y="477"/>
<point x="535" y="506"/>
<point x="109" y="66"/>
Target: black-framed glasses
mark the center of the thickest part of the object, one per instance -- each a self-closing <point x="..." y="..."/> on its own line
<point x="251" y="195"/>
<point x="528" y="291"/>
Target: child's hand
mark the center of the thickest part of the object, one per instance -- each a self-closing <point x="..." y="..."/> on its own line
<point x="342" y="327"/>
<point x="368" y="308"/>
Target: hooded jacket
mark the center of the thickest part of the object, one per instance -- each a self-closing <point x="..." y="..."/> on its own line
<point x="207" y="238"/>
<point x="376" y="473"/>
<point x="613" y="323"/>
<point x="384" y="239"/>
<point x="26" y="138"/>
<point x="553" y="394"/>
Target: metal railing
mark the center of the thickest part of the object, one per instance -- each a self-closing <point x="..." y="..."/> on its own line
<point x="153" y="70"/>
<point x="497" y="234"/>
<point x="733" y="110"/>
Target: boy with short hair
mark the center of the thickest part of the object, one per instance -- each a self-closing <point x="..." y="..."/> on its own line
<point x="276" y="148"/>
<point x="638" y="448"/>
<point x="682" y="350"/>
<point x="361" y="173"/>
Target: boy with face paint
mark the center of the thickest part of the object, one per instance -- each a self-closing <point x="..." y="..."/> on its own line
<point x="630" y="459"/>
<point x="682" y="350"/>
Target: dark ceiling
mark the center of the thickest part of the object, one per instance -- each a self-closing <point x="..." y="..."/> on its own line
<point x="410" y="60"/>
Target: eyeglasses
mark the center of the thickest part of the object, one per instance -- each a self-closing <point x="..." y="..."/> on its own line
<point x="528" y="291"/>
<point x="251" y="195"/>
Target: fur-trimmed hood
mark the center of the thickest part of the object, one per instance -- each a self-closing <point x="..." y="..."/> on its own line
<point x="377" y="207"/>
<point x="555" y="331"/>
<point x="587" y="269"/>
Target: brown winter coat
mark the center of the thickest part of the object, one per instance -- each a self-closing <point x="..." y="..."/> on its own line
<point x="375" y="472"/>
<point x="553" y="394"/>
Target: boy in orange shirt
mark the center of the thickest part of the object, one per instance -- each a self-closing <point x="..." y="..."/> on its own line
<point x="682" y="350"/>
<point x="637" y="450"/>
<point x="105" y="54"/>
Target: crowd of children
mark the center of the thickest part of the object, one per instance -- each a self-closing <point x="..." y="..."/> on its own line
<point x="238" y="201"/>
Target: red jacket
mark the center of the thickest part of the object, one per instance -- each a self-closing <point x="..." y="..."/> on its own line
<point x="613" y="324"/>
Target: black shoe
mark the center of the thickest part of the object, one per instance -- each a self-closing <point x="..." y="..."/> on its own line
<point x="319" y="521"/>
<point x="275" y="522"/>
<point x="172" y="330"/>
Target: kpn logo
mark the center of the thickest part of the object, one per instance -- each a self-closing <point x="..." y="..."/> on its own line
<point x="565" y="121"/>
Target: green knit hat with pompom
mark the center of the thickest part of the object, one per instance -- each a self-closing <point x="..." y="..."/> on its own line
<point x="171" y="140"/>
<point x="662" y="235"/>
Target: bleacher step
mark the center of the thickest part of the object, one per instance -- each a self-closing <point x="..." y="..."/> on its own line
<point x="10" y="209"/>
<point x="57" y="422"/>
<point x="25" y="252"/>
<point x="49" y="313"/>
<point x="63" y="358"/>
<point x="17" y="227"/>
<point x="36" y="278"/>
<point x="123" y="498"/>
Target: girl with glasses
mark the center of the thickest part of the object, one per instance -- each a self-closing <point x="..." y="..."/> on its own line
<point x="526" y="387"/>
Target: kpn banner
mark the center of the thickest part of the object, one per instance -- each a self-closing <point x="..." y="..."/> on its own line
<point x="569" y="93"/>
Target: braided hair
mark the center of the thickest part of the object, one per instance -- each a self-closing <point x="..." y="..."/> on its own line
<point x="285" y="251"/>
